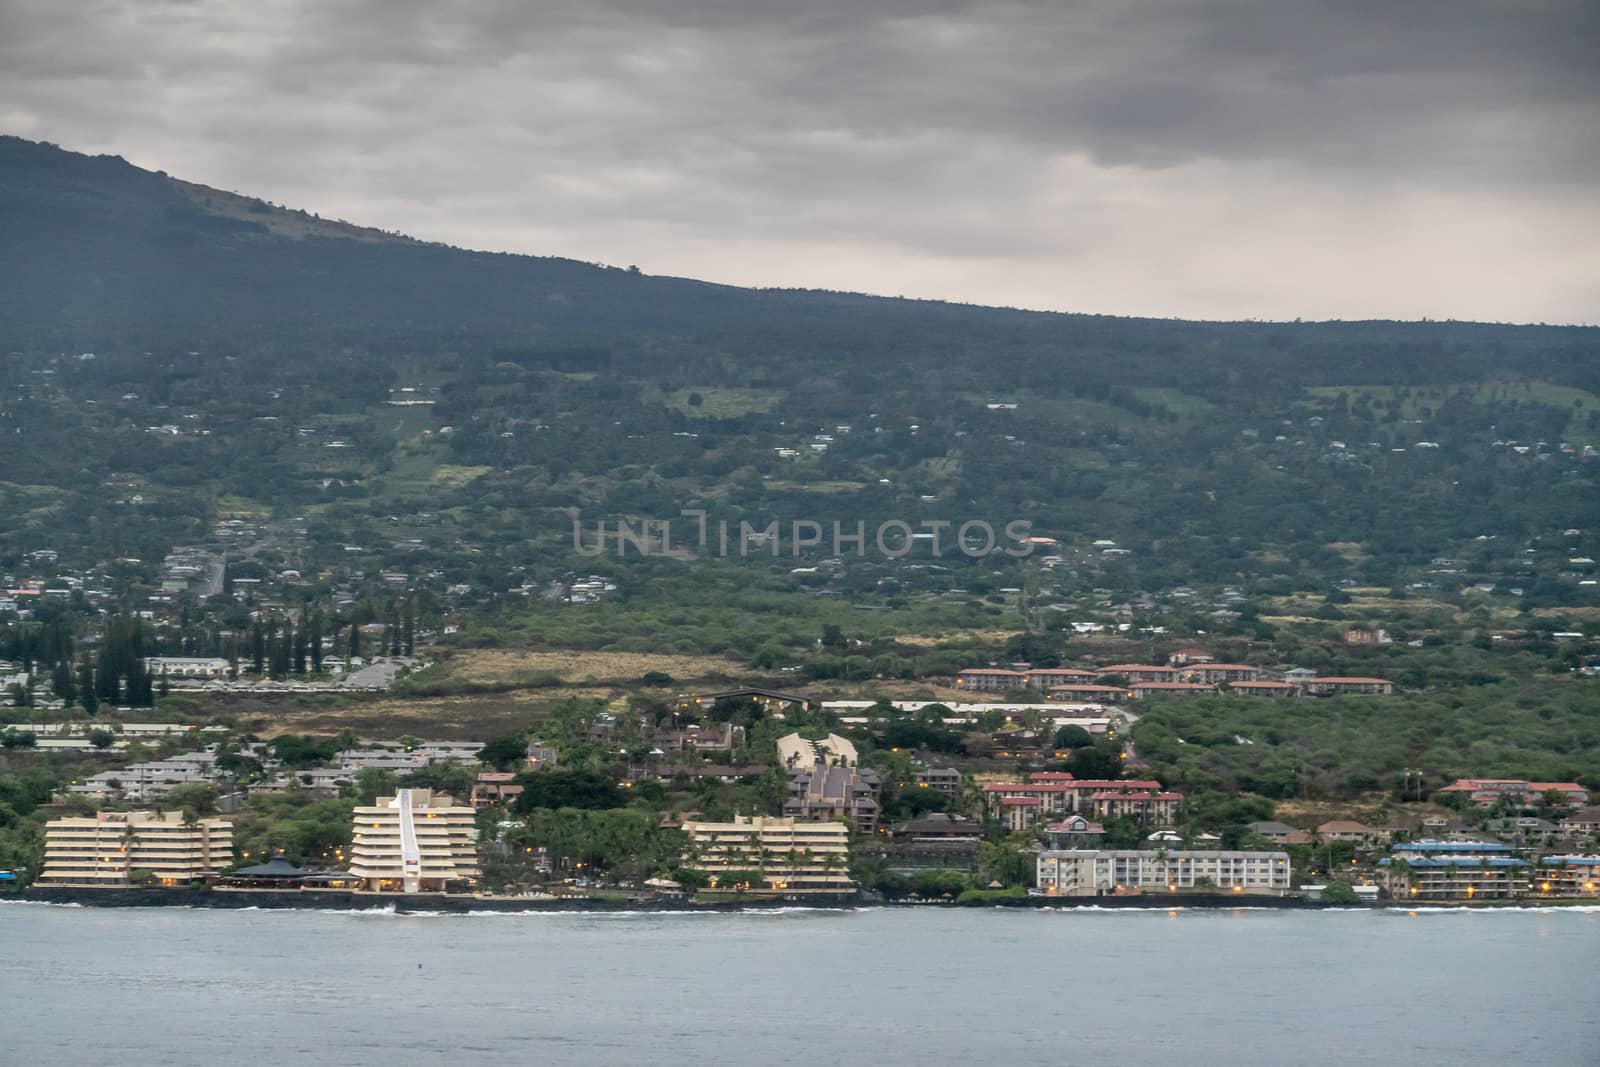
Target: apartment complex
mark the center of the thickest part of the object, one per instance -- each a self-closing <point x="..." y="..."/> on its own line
<point x="821" y="792"/>
<point x="791" y="855"/>
<point x="1485" y="791"/>
<point x="1022" y="805"/>
<point x="105" y="848"/>
<point x="414" y="842"/>
<point x="1455" y="870"/>
<point x="1112" y="872"/>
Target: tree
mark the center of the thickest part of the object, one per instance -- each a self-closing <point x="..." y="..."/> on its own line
<point x="506" y="752"/>
<point x="102" y="739"/>
<point x="374" y="782"/>
<point x="1071" y="736"/>
<point x="1095" y="762"/>
<point x="581" y="789"/>
<point x="1339" y="891"/>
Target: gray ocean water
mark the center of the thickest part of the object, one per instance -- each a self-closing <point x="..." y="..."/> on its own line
<point x="888" y="986"/>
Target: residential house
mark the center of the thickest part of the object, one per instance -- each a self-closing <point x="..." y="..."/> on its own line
<point x="1276" y="832"/>
<point x="1581" y="823"/>
<point x="1185" y="657"/>
<point x="494" y="789"/>
<point x="1349" y="830"/>
<point x="1074" y="832"/>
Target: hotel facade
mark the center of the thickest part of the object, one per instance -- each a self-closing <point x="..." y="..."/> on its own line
<point x="414" y="842"/>
<point x="105" y="848"/>
<point x="791" y="855"/>
<point x="1110" y="872"/>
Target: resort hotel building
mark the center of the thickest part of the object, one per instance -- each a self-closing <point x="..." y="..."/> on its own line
<point x="105" y="848"/>
<point x="416" y="841"/>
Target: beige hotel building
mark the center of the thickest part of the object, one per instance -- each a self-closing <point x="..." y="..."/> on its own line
<point x="102" y="849"/>
<point x="793" y="855"/>
<point x="414" y="842"/>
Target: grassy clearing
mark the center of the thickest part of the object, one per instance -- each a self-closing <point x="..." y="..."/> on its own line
<point x="720" y="403"/>
<point x="450" y="476"/>
<point x="497" y="666"/>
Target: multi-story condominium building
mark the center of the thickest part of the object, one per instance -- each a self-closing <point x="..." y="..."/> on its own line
<point x="823" y="792"/>
<point x="186" y="667"/>
<point x="1140" y="672"/>
<point x="414" y="842"/>
<point x="990" y="679"/>
<point x="1264" y="689"/>
<point x="1141" y="690"/>
<point x="1021" y="805"/>
<point x="1086" y="693"/>
<point x="1324" y="687"/>
<point x="1217" y="673"/>
<point x="1108" y="872"/>
<point x="1485" y="791"/>
<point x="147" y="781"/>
<point x="1566" y="876"/>
<point x="1455" y="870"/>
<point x="104" y="848"/>
<point x="1048" y="678"/>
<point x="790" y="855"/>
<point x="946" y="780"/>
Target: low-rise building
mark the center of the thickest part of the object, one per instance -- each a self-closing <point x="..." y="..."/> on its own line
<point x="1349" y="830"/>
<point x="946" y="780"/>
<point x="1021" y="805"/>
<point x="1141" y="690"/>
<point x="790" y="855"/>
<point x="1326" y="687"/>
<point x="1217" y="673"/>
<point x="494" y="789"/>
<point x="1111" y="872"/>
<point x="1566" y="876"/>
<point x="1140" y="672"/>
<point x="1486" y="791"/>
<point x="187" y="667"/>
<point x="105" y="848"/>
<point x="990" y="679"/>
<point x="1455" y="870"/>
<point x="414" y="841"/>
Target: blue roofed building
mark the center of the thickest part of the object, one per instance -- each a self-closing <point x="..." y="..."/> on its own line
<point x="1430" y="870"/>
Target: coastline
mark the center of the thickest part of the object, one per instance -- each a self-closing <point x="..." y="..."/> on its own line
<point x="458" y="904"/>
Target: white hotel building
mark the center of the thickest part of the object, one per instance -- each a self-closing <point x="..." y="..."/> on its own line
<point x="1108" y="872"/>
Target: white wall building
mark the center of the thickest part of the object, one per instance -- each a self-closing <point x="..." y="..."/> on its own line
<point x="1108" y="872"/>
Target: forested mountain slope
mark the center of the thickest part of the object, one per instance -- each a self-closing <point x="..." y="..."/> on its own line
<point x="246" y="359"/>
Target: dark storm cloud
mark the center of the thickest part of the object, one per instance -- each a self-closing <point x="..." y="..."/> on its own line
<point x="1408" y="158"/>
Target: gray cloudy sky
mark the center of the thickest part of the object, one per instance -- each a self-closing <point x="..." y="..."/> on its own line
<point x="1205" y="158"/>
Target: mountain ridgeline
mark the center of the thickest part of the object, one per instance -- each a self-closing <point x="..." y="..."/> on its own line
<point x="247" y="353"/>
